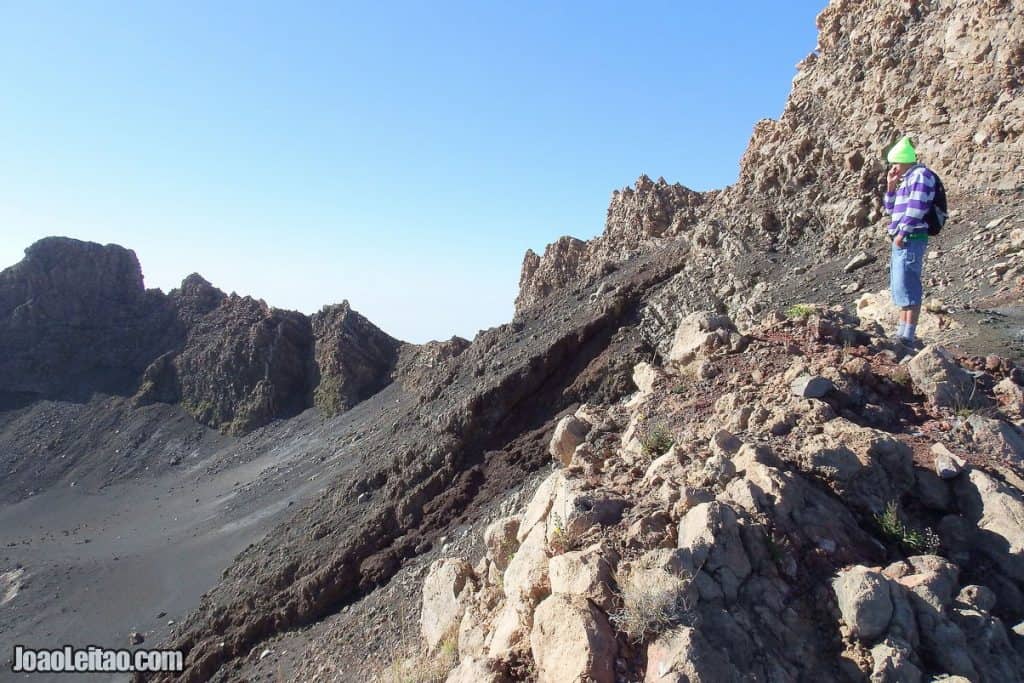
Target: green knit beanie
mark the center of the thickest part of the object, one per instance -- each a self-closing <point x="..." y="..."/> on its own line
<point x="902" y="152"/>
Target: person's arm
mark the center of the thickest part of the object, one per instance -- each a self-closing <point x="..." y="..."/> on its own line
<point x="892" y="181"/>
<point x="918" y="203"/>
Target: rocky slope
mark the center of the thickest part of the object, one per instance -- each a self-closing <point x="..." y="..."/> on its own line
<point x="790" y="504"/>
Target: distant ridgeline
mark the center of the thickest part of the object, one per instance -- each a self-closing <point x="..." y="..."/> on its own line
<point x="76" y="319"/>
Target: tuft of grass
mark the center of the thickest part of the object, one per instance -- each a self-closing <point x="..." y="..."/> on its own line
<point x="911" y="540"/>
<point x="652" y="603"/>
<point x="656" y="441"/>
<point x="420" y="667"/>
<point x="901" y="376"/>
<point x="799" y="311"/>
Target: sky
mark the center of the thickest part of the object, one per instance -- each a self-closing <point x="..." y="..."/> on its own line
<point x="400" y="155"/>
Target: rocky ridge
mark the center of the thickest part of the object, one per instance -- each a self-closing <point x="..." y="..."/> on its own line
<point x="76" y="320"/>
<point x="946" y="73"/>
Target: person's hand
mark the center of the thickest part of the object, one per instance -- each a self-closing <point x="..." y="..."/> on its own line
<point x="892" y="179"/>
<point x="898" y="241"/>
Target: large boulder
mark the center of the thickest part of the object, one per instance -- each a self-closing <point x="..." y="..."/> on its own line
<point x="864" y="601"/>
<point x="682" y="655"/>
<point x="576" y="509"/>
<point x="893" y="661"/>
<point x="710" y="532"/>
<point x="997" y="438"/>
<point x="587" y="573"/>
<point x="500" y="540"/>
<point x="877" y="307"/>
<point x="476" y="670"/>
<point x="569" y="433"/>
<point x="937" y="375"/>
<point x="868" y="467"/>
<point x="698" y="334"/>
<point x="510" y="631"/>
<point x="998" y="511"/>
<point x="444" y="599"/>
<point x="540" y="505"/>
<point x="572" y="641"/>
<point x="526" y="577"/>
<point x="1010" y="396"/>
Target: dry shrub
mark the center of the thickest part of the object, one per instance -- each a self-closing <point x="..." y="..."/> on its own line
<point x="652" y="602"/>
<point x="421" y="667"/>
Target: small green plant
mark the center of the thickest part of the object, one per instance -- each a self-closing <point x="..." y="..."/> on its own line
<point x="564" y="539"/>
<point x="911" y="540"/>
<point x="799" y="311"/>
<point x="656" y="441"/>
<point x="652" y="602"/>
<point x="776" y="546"/>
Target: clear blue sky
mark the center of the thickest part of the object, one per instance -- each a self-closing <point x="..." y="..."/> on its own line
<point x="402" y="155"/>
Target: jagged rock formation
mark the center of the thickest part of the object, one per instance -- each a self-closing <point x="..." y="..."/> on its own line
<point x="242" y="364"/>
<point x="75" y="319"/>
<point x="948" y="74"/>
<point x="636" y="218"/>
<point x="420" y="366"/>
<point x="354" y="357"/>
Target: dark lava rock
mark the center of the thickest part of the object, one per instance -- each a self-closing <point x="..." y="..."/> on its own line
<point x="354" y="358"/>
<point x="75" y="319"/>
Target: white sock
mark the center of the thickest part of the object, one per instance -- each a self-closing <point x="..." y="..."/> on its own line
<point x="910" y="331"/>
<point x="902" y="329"/>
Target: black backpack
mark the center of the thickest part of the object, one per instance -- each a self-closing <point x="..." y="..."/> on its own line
<point x="937" y="215"/>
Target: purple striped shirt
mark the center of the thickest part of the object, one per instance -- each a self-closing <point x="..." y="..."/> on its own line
<point x="910" y="202"/>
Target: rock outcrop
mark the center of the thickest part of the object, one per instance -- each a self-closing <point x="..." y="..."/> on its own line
<point x="242" y="364"/>
<point x="76" y="320"/>
<point x="778" y="554"/>
<point x="354" y="357"/>
<point x="948" y="74"/>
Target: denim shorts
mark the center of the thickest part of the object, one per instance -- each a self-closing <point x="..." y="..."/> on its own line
<point x="905" y="265"/>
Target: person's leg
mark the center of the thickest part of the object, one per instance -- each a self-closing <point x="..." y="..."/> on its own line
<point x="896" y="287"/>
<point x="915" y="289"/>
<point x="911" y="315"/>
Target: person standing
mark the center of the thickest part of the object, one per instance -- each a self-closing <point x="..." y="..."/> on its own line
<point x="910" y="191"/>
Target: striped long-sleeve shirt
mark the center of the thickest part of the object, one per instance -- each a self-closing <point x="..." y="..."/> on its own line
<point x="910" y="202"/>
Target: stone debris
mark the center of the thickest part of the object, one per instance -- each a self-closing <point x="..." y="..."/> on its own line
<point x="859" y="261"/>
